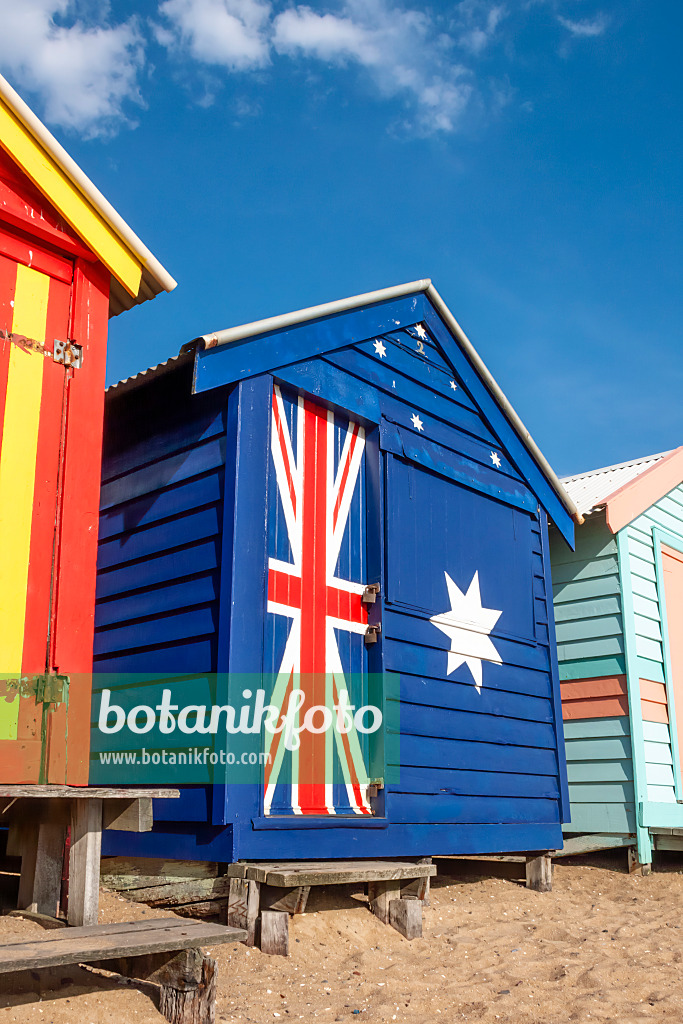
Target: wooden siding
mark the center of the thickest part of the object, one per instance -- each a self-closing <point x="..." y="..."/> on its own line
<point x="600" y="771"/>
<point x="587" y="600"/>
<point x="667" y="515"/>
<point x="159" y="544"/>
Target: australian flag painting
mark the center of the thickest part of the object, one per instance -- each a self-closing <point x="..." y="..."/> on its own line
<point x="316" y="621"/>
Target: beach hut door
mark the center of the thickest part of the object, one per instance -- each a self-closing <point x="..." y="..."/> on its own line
<point x="316" y="618"/>
<point x="34" y="318"/>
<point x="672" y="566"/>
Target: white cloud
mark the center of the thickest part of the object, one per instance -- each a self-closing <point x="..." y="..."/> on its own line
<point x="84" y="72"/>
<point x="401" y="49"/>
<point x="477" y="21"/>
<point x="231" y="33"/>
<point x="586" y="28"/>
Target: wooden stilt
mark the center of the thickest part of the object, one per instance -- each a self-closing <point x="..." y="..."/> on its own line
<point x="244" y="899"/>
<point x="380" y="895"/>
<point x="406" y="917"/>
<point x="275" y="932"/>
<point x="47" y="876"/>
<point x="634" y="864"/>
<point x="539" y="873"/>
<point x="84" y="861"/>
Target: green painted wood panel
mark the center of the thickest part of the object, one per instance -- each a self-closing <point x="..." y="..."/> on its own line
<point x="588" y="627"/>
<point x="579" y="590"/>
<point x="657" y="753"/>
<point x="585" y="570"/>
<point x="661" y="794"/>
<point x="602" y="818"/>
<point x="593" y="668"/>
<point x="615" y="749"/>
<point x="605" y="647"/>
<point x="590" y="728"/>
<point x="600" y="771"/>
<point x="659" y="775"/>
<point x="648" y="628"/>
<point x="653" y="670"/>
<point x="601" y="793"/>
<point x="647" y="608"/>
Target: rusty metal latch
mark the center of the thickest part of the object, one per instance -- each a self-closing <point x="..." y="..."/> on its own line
<point x="27" y="344"/>
<point x="68" y="353"/>
<point x="371" y="634"/>
<point x="369" y="595"/>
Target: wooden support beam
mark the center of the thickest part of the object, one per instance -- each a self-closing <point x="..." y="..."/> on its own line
<point x="380" y="895"/>
<point x="275" y="932"/>
<point x="127" y="815"/>
<point x="634" y="865"/>
<point x="418" y="889"/>
<point x="291" y="901"/>
<point x="244" y="899"/>
<point x="539" y="873"/>
<point x="406" y="917"/>
<point x="84" y="861"/>
<point x="40" y="885"/>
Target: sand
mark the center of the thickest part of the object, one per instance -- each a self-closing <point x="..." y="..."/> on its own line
<point x="602" y="946"/>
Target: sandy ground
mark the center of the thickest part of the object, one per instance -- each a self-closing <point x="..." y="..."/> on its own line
<point x="603" y="946"/>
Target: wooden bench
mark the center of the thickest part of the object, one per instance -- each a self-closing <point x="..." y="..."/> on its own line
<point x="165" y="952"/>
<point x="262" y="895"/>
<point x="38" y="817"/>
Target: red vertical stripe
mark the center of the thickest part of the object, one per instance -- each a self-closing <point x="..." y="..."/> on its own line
<point x="8" y="280"/>
<point x="75" y="597"/>
<point x="313" y="611"/>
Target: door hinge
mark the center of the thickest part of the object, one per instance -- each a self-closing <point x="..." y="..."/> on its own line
<point x="51" y="688"/>
<point x="68" y="353"/>
<point x="369" y="595"/>
<point x="371" y="634"/>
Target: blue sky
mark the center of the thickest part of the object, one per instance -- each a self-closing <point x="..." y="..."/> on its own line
<point x="524" y="155"/>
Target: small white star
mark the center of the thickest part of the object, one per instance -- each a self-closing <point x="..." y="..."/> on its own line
<point x="393" y="383"/>
<point x="495" y="459"/>
<point x="420" y="331"/>
<point x="417" y="422"/>
<point x="454" y="386"/>
<point x="380" y="349"/>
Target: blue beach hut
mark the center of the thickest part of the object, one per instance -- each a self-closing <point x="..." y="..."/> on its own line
<point x="340" y="501"/>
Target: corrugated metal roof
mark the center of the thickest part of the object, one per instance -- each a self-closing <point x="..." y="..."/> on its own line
<point x="185" y="355"/>
<point x="591" y="490"/>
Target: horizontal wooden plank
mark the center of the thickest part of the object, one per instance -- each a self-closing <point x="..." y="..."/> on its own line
<point x="663" y="815"/>
<point x="159" y="631"/>
<point x="193" y="656"/>
<point x="653" y="670"/>
<point x="164" y="439"/>
<point x="605" y="686"/>
<point x="657" y="753"/>
<point x="659" y="775"/>
<point x="290" y="874"/>
<point x="643" y="568"/>
<point x="53" y="792"/>
<point x="172" y="597"/>
<point x="165" y="568"/>
<point x="600" y="771"/>
<point x="185" y="496"/>
<point x="588" y="628"/>
<point x="653" y="701"/>
<point x="644" y="588"/>
<point x="160" y="537"/>
<point x="650" y="649"/>
<point x="408" y="808"/>
<point x="593" y="540"/>
<point x="597" y="707"/>
<point x="576" y="845"/>
<point x="646" y="608"/>
<point x="588" y="608"/>
<point x="452" y="753"/>
<point x="71" y="946"/>
<point x="601" y="792"/>
<point x="591" y="668"/>
<point x="434" y="781"/>
<point x="647" y="627"/>
<point x="181" y="466"/>
<point x="606" y="647"/>
<point x="481" y="727"/>
<point x="661" y="794"/>
<point x="603" y="818"/>
<point x="572" y="590"/>
<point x="463" y="696"/>
<point x="586" y="569"/>
<point x="598" y="729"/>
<point x="428" y="662"/>
<point x="614" y="749"/>
<point x="656" y="733"/>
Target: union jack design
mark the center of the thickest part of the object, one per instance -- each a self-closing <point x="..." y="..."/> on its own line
<point x="316" y="499"/>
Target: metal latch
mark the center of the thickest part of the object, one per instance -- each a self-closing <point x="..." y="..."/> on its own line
<point x="51" y="688"/>
<point x="371" y="634"/>
<point x="370" y="593"/>
<point x="374" y="787"/>
<point x="68" y="353"/>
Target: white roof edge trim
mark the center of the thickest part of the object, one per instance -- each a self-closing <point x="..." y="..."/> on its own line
<point x="300" y="316"/>
<point x="83" y="182"/>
